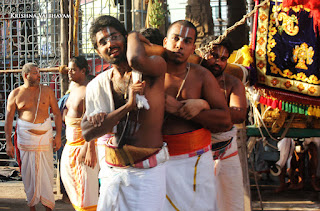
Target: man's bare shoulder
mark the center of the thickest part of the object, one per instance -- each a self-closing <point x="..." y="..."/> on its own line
<point x="233" y="81"/>
<point x="45" y="88"/>
<point x="16" y="91"/>
<point x="202" y="72"/>
<point x="48" y="91"/>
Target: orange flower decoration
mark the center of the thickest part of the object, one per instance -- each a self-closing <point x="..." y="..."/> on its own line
<point x="274" y="82"/>
<point x="312" y="90"/>
<point x="300" y="87"/>
<point x="287" y="84"/>
<point x="260" y="64"/>
<point x="263" y="17"/>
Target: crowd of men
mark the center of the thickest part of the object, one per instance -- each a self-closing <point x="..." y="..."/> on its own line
<point x="155" y="130"/>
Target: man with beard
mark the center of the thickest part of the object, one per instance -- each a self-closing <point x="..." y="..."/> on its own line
<point x="228" y="172"/>
<point x="128" y="114"/>
<point x="35" y="136"/>
<point x="194" y="107"/>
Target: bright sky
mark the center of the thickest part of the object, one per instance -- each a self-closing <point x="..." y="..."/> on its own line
<point x="177" y="9"/>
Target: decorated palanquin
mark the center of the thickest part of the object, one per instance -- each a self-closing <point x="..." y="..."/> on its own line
<point x="287" y="49"/>
<point x="286" y="46"/>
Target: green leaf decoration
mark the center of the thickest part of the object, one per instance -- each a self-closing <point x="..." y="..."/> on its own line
<point x="157" y="14"/>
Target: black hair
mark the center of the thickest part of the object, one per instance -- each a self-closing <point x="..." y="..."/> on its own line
<point x="81" y="62"/>
<point x="186" y="24"/>
<point x="226" y="42"/>
<point x="101" y="23"/>
<point x="153" y="35"/>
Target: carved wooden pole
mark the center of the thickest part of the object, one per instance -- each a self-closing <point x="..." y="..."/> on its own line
<point x="64" y="81"/>
<point x="70" y="29"/>
<point x="199" y="13"/>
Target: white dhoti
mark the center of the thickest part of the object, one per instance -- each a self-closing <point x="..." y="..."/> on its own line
<point x="79" y="180"/>
<point x="133" y="188"/>
<point x="190" y="184"/>
<point x="36" y="155"/>
<point x="228" y="175"/>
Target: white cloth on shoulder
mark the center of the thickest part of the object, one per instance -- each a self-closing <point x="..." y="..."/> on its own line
<point x="36" y="155"/>
<point x="99" y="96"/>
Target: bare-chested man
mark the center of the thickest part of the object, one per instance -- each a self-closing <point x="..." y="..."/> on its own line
<point x="134" y="138"/>
<point x="186" y="128"/>
<point x="35" y="136"/>
<point x="228" y="171"/>
<point x="80" y="181"/>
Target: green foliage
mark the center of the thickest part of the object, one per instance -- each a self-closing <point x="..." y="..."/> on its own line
<point x="157" y="14"/>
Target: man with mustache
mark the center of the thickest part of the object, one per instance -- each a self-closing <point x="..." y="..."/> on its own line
<point x="195" y="107"/>
<point x="228" y="172"/>
<point x="34" y="135"/>
<point x="125" y="110"/>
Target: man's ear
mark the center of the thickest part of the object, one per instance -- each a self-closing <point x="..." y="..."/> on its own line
<point x="165" y="40"/>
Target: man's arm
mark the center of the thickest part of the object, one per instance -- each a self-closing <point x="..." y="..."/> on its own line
<point x="217" y="119"/>
<point x="138" y="59"/>
<point x="11" y="109"/>
<point x="102" y="123"/>
<point x="57" y="119"/>
<point x="238" y="102"/>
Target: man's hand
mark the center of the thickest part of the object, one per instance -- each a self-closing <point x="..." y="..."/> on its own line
<point x="56" y="143"/>
<point x="136" y="88"/>
<point x="97" y="119"/>
<point x="10" y="149"/>
<point x="192" y="107"/>
<point x="172" y="105"/>
<point x="91" y="156"/>
<point x="82" y="154"/>
<point x="144" y="40"/>
<point x="88" y="155"/>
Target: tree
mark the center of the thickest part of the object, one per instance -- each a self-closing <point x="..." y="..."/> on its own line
<point x="236" y="10"/>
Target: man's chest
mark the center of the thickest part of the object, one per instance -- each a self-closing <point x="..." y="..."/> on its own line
<point x="30" y="101"/>
<point x="180" y="88"/>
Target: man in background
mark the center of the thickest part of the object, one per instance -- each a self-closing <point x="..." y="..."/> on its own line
<point x="35" y="136"/>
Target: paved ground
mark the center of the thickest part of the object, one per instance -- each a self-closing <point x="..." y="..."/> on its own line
<point x="305" y="199"/>
<point x="12" y="197"/>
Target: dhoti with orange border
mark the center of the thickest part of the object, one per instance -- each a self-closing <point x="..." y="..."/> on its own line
<point x="228" y="172"/>
<point x="79" y="180"/>
<point x="36" y="155"/>
<point x="190" y="184"/>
